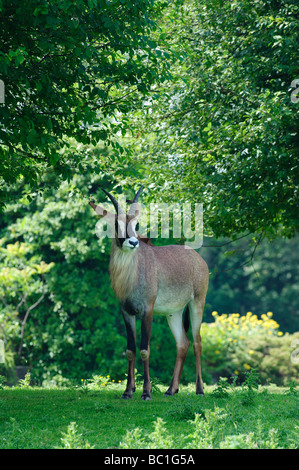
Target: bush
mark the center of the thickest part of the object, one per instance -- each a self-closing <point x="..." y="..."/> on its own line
<point x="235" y="344"/>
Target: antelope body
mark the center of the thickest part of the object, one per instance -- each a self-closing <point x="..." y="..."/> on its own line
<point x="161" y="280"/>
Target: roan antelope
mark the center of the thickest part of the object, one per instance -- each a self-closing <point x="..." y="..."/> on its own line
<point x="162" y="280"/>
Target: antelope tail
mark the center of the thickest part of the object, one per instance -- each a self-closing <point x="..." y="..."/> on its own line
<point x="187" y="319"/>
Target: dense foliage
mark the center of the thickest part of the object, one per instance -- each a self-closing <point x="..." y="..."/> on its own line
<point x="225" y="129"/>
<point x="68" y="69"/>
<point x="243" y="281"/>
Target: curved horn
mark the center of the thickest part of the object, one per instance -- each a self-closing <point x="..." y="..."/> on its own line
<point x="114" y="202"/>
<point x="133" y="206"/>
<point x="138" y="194"/>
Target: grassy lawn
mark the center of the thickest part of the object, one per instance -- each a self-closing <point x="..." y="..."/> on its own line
<point x="57" y="418"/>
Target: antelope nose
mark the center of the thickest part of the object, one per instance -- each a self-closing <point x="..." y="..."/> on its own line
<point x="133" y="242"/>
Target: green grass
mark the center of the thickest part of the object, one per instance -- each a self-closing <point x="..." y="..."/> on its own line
<point x="41" y="418"/>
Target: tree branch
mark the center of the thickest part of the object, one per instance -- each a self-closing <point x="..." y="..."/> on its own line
<point x="22" y="301"/>
<point x="25" y="320"/>
<point x="227" y="243"/>
<point x="4" y="301"/>
<point x="249" y="260"/>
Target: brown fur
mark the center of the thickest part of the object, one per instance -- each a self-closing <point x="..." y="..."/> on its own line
<point x="145" y="240"/>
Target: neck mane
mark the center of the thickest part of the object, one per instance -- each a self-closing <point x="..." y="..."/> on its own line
<point x="123" y="271"/>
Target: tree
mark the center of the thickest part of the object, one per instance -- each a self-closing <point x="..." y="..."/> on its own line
<point x="66" y="335"/>
<point x="22" y="289"/>
<point x="69" y="68"/>
<point x="225" y="131"/>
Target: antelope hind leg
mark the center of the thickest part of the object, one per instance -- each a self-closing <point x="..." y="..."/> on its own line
<point x="146" y="327"/>
<point x="182" y="345"/>
<point x="196" y="312"/>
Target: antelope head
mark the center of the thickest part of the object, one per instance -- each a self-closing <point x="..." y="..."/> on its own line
<point x="126" y="225"/>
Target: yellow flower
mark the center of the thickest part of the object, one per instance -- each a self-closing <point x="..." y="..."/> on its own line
<point x="236" y="372"/>
<point x="214" y="313"/>
<point x="108" y="376"/>
<point x="251" y="352"/>
<point x="269" y="314"/>
<point x="280" y="333"/>
<point x="119" y="381"/>
<point x="247" y="366"/>
<point x="217" y="352"/>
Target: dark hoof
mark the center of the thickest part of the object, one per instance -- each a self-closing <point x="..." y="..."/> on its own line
<point x="127" y="396"/>
<point x="169" y="393"/>
<point x="146" y="396"/>
<point x="199" y="389"/>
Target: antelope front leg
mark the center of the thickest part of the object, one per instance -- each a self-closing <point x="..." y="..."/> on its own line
<point x="130" y="322"/>
<point x="146" y="327"/>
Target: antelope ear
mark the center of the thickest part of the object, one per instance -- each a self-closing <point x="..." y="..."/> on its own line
<point x="99" y="210"/>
